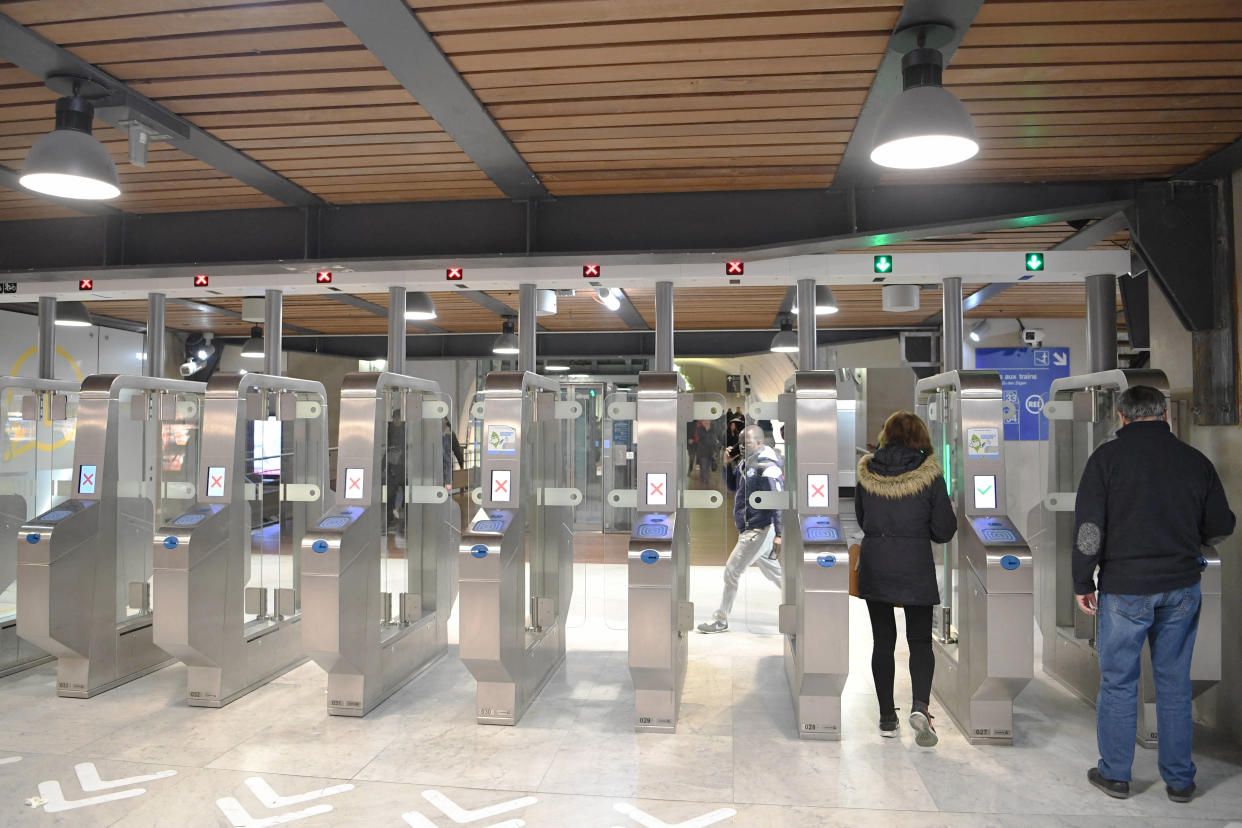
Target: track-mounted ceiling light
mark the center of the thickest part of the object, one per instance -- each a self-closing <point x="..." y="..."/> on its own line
<point x="72" y="315"/>
<point x="825" y="302"/>
<point x="253" y="347"/>
<point x="418" y="305"/>
<point x="507" y="343"/>
<point x="69" y="162"/>
<point x="785" y="341"/>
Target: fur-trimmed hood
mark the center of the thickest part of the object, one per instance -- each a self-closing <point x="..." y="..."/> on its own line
<point x="899" y="485"/>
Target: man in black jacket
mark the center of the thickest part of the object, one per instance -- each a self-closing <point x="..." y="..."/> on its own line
<point x="1146" y="504"/>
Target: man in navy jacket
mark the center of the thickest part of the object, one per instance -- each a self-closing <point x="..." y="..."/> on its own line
<point x="1146" y="504"/>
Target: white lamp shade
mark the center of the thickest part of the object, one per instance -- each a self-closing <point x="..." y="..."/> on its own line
<point x="825" y="301"/>
<point x="253" y="347"/>
<point x="785" y="342"/>
<point x="922" y="128"/>
<point x="70" y="164"/>
<point x="900" y="298"/>
<point x="545" y="303"/>
<point x="418" y="305"/>
<point x="506" y="343"/>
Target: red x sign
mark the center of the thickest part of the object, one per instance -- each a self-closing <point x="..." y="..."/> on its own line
<point x="502" y="486"/>
<point x="88" y="479"/>
<point x="818" y="491"/>
<point x="734" y="268"/>
<point x="590" y="271"/>
<point x="216" y="482"/>
<point x="356" y="483"/>
<point x="86" y="284"/>
<point x="454" y="274"/>
<point x="323" y="277"/>
<point x="200" y="280"/>
<point x="657" y="489"/>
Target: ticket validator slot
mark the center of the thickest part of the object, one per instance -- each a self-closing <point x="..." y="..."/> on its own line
<point x="390" y="535"/>
<point x="40" y="422"/>
<point x="512" y="630"/>
<point x="1082" y="416"/>
<point x="226" y="577"/>
<point x="983" y="635"/>
<point x="814" y="614"/>
<point x="85" y="565"/>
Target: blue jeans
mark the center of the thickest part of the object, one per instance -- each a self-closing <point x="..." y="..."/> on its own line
<point x="1168" y="621"/>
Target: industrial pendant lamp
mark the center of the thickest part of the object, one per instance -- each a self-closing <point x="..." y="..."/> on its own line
<point x="785" y="341"/>
<point x="825" y="302"/>
<point x="507" y="343"/>
<point x="72" y="315"/>
<point x="69" y="162"/>
<point x="418" y="305"/>
<point x="253" y="348"/>
<point x="925" y="126"/>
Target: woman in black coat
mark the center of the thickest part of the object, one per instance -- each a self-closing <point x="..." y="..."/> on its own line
<point x="903" y="507"/>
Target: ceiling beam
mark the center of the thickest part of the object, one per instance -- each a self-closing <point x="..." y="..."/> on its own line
<point x="203" y="307"/>
<point x="856" y="168"/>
<point x="99" y="319"/>
<point x="629" y="314"/>
<point x="378" y="310"/>
<point x="392" y="32"/>
<point x="619" y="230"/>
<point x="1221" y="164"/>
<point x="44" y="59"/>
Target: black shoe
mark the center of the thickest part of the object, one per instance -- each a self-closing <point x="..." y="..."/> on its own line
<point x="716" y="625"/>
<point x="1180" y="794"/>
<point x="888" y="725"/>
<point x="1115" y="789"/>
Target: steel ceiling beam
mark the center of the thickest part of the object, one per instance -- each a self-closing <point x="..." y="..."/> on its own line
<point x="203" y="307"/>
<point x="495" y="306"/>
<point x="44" y="59"/>
<point x="392" y="32"/>
<point x="856" y="168"/>
<point x="1220" y="164"/>
<point x="673" y="229"/>
<point x="629" y="314"/>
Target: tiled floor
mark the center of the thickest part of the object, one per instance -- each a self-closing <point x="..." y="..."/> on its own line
<point x="574" y="759"/>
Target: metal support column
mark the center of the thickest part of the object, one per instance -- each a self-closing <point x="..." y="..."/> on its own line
<point x="806" y="325"/>
<point x="396" y="330"/>
<point x="154" y="366"/>
<point x="272" y="330"/>
<point x="526" y="327"/>
<point x="47" y="337"/>
<point x="1101" y="322"/>
<point x="664" y="327"/>
<point x="951" y="325"/>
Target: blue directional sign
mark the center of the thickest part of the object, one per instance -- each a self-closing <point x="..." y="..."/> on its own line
<point x="1026" y="375"/>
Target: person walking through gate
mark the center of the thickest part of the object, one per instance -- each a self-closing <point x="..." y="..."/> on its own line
<point x="903" y="506"/>
<point x="1146" y="504"/>
<point x="760" y="471"/>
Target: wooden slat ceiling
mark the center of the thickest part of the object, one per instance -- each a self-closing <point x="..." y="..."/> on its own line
<point x="623" y="96"/>
<point x="726" y="308"/>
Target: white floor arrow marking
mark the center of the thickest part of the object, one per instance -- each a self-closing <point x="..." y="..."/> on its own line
<point x="54" y="797"/>
<point x="8" y="760"/>
<point x="271" y="799"/>
<point x="648" y="821"/>
<point x="88" y="776"/>
<point x="239" y="817"/>
<point x="460" y="815"/>
<point x="416" y="820"/>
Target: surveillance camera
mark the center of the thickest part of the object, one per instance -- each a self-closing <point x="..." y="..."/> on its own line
<point x="1033" y="337"/>
<point x="188" y="368"/>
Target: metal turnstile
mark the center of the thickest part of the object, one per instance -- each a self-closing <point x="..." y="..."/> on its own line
<point x="226" y="569"/>
<point x="39" y="421"/>
<point x="660" y="613"/>
<point x="84" y="566"/>
<point x="377" y="567"/>
<point x="516" y="553"/>
<point x="814" y="614"/>
<point x="984" y="633"/>
<point x="1082" y="415"/>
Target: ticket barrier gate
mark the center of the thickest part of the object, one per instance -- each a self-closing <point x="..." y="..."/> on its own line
<point x="1082" y="416"/>
<point x="84" y="565"/>
<point x="39" y="419"/>
<point x="984" y="637"/>
<point x="661" y="615"/>
<point x="523" y="530"/>
<point x="814" y="613"/>
<point x="215" y="570"/>
<point x="352" y="567"/>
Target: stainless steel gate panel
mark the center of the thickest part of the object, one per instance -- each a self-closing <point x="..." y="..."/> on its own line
<point x="38" y="419"/>
<point x="1082" y="416"/>
<point x="84" y="569"/>
<point x="515" y="559"/>
<point x="984" y="641"/>
<point x="372" y="635"/>
<point x="235" y="622"/>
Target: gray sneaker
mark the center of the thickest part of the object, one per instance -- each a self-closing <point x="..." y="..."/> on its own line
<point x="925" y="732"/>
<point x="714" y="626"/>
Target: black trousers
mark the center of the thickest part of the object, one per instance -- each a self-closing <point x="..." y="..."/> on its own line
<point x="918" y="637"/>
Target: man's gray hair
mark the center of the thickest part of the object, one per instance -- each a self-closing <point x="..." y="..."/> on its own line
<point x="1139" y="402"/>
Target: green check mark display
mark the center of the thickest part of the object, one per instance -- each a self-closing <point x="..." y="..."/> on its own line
<point x="984" y="490"/>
